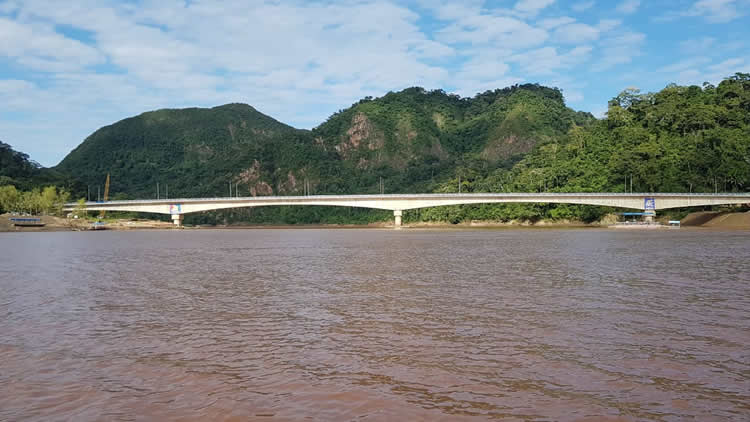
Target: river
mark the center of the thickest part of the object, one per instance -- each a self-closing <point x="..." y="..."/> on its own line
<point x="375" y="325"/>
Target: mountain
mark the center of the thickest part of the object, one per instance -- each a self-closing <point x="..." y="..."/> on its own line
<point x="191" y="152"/>
<point x="680" y="139"/>
<point x="412" y="136"/>
<point x="414" y="123"/>
<point x="411" y="139"/>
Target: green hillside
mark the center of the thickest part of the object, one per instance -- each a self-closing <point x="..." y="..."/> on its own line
<point x="412" y="140"/>
<point x="193" y="152"/>
<point x="414" y="137"/>
<point x="17" y="169"/>
<point x="518" y="139"/>
<point x="680" y="139"/>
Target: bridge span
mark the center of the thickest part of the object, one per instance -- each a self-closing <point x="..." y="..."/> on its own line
<point x="647" y="202"/>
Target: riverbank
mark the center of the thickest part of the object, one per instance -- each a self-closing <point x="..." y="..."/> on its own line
<point x="716" y="220"/>
<point x="719" y="220"/>
<point x="56" y="224"/>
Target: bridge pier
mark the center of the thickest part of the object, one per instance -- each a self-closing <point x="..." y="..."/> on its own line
<point x="177" y="219"/>
<point x="397" y="216"/>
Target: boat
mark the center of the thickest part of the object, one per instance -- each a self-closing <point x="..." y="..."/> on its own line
<point x="27" y="221"/>
<point x="99" y="225"/>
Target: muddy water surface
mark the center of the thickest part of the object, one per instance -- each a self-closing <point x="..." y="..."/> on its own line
<point x="339" y="325"/>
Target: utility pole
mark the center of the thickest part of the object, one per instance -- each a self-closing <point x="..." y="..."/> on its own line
<point x="166" y="195"/>
<point x="88" y="192"/>
<point x="157" y="191"/>
<point x="98" y="194"/>
<point x="459" y="183"/>
<point x="230" y="188"/>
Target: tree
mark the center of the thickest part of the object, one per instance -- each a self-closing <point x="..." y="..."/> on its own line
<point x="9" y="198"/>
<point x="80" y="209"/>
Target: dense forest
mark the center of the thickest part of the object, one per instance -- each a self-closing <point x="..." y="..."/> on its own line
<point x="518" y="139"/>
<point x="17" y="169"/>
<point x="680" y="139"/>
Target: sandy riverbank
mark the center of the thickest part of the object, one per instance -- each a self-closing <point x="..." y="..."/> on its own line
<point x="716" y="220"/>
<point x="52" y="224"/>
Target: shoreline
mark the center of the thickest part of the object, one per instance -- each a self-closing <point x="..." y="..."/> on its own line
<point x="702" y="220"/>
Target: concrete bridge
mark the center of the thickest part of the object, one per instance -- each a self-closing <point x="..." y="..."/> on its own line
<point x="647" y="202"/>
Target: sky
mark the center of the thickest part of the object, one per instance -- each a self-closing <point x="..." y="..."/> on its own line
<point x="69" y="68"/>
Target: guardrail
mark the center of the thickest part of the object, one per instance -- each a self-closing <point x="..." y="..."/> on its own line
<point x="417" y="196"/>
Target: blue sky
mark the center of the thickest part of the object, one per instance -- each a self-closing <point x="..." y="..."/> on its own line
<point x="68" y="68"/>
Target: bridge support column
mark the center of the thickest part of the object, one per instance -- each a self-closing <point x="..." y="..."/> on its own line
<point x="397" y="215"/>
<point x="649" y="217"/>
<point x="177" y="219"/>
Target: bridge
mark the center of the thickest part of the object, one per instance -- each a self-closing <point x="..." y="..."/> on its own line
<point x="647" y="202"/>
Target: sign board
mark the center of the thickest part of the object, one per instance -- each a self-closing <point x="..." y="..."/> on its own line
<point x="175" y="209"/>
<point x="649" y="204"/>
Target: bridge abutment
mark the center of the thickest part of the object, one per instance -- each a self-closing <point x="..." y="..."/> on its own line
<point x="177" y="219"/>
<point x="397" y="218"/>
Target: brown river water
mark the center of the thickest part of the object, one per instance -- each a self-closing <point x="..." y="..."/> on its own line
<point x="375" y="325"/>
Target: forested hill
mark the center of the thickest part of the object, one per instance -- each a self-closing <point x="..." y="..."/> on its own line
<point x="192" y="152"/>
<point x="413" y="140"/>
<point x="407" y="128"/>
<point x="680" y="139"/>
<point x="518" y="139"/>
<point x="17" y="169"/>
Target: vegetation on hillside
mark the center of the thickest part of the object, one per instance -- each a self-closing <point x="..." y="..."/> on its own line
<point x="680" y="139"/>
<point x="17" y="169"/>
<point x="410" y="140"/>
<point x="518" y="139"/>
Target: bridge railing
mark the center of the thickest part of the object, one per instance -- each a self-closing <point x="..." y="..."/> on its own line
<point x="419" y="195"/>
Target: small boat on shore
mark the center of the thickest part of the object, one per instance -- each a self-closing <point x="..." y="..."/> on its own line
<point x="27" y="221"/>
<point x="638" y="226"/>
<point x="99" y="225"/>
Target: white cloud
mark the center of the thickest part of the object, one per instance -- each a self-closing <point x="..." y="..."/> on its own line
<point x="583" y="6"/>
<point x="606" y="25"/>
<point x="696" y="46"/>
<point x="629" y="6"/>
<point x="552" y="23"/>
<point x="684" y="65"/>
<point x="532" y="7"/>
<point x="39" y="47"/>
<point x="546" y="60"/>
<point x="450" y="11"/>
<point x="489" y="29"/>
<point x="719" y="11"/>
<point x="730" y="66"/>
<point x="695" y="71"/>
<point x="577" y="33"/>
<point x="619" y="49"/>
